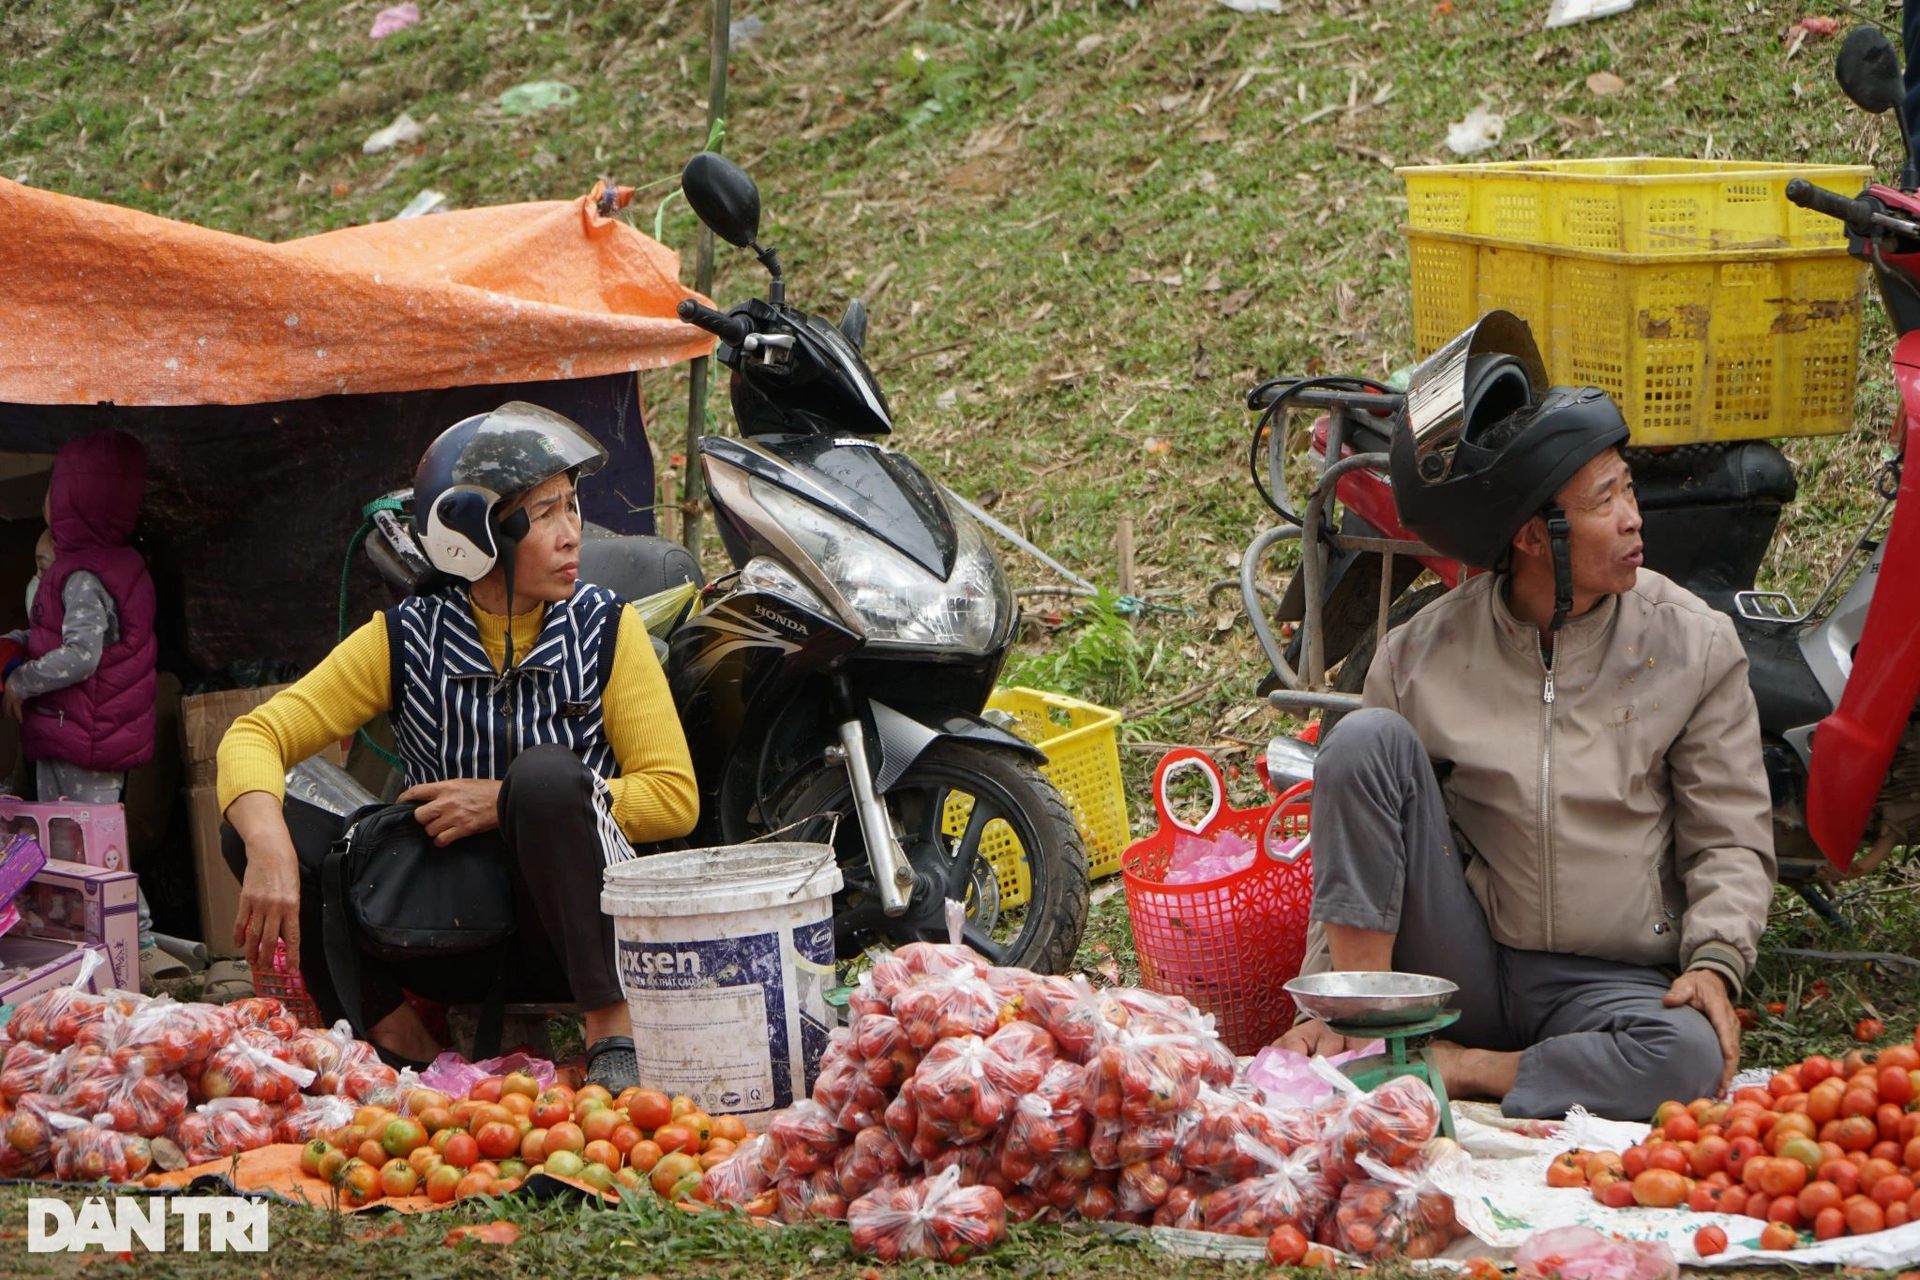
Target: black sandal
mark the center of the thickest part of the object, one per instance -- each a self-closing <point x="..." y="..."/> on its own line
<point x="612" y="1064"/>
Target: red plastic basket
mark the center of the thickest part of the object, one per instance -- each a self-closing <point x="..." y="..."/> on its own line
<point x="285" y="985"/>
<point x="1229" y="945"/>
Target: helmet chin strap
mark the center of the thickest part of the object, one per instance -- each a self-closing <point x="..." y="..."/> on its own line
<point x="508" y="533"/>
<point x="1559" y="538"/>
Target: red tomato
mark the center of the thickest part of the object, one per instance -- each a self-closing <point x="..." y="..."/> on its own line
<point x="1829" y="1224"/>
<point x="1709" y="1156"/>
<point x="1733" y="1200"/>
<point x="1668" y="1156"/>
<point x="1896" y="1083"/>
<point x="1816" y="1196"/>
<point x="1778" y="1236"/>
<point x="1286" y="1247"/>
<point x="1708" y="1241"/>
<point x="1659" y="1189"/>
<point x="1864" y="1217"/>
<point x="497" y="1140"/>
<point x="1867" y="1030"/>
<point x="1681" y="1127"/>
<point x="460" y="1150"/>
<point x="1895" y="1188"/>
<point x="1784" y="1209"/>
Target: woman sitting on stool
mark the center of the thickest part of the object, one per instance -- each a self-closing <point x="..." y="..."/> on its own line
<point x="527" y="754"/>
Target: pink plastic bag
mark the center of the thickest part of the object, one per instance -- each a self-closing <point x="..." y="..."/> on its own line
<point x="1581" y="1253"/>
<point x="388" y="21"/>
<point x="1202" y="860"/>
<point x="453" y="1075"/>
<point x="1291" y="1082"/>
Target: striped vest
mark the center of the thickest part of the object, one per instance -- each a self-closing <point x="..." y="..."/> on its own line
<point x="454" y="717"/>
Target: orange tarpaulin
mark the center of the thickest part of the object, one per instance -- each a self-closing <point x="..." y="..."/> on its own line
<point x="106" y="303"/>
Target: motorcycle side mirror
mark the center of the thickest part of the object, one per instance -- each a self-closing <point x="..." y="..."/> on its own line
<point x="723" y="197"/>
<point x="853" y="325"/>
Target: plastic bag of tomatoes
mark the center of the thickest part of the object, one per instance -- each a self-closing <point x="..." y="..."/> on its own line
<point x="1046" y="1124"/>
<point x="966" y="1087"/>
<point x="1226" y="1127"/>
<point x="134" y="1098"/>
<point x="28" y="1150"/>
<point x="800" y="1141"/>
<point x="1395" y="1212"/>
<point x="843" y="1087"/>
<point x="1293" y="1190"/>
<point x="957" y="1004"/>
<point x="737" y="1179"/>
<point x="1390" y="1123"/>
<point x="87" y="1151"/>
<point x="893" y="974"/>
<point x="54" y="1018"/>
<point x="1067" y="1008"/>
<point x="1145" y="1078"/>
<point x="266" y="1013"/>
<point x="312" y="1116"/>
<point x="163" y="1034"/>
<point x="224" y="1127"/>
<point x="936" y="1218"/>
<point x="332" y="1055"/>
<point x="254" y="1064"/>
<point x="886" y="1057"/>
<point x="873" y="1156"/>
<point x="816" y="1197"/>
<point x="28" y="1068"/>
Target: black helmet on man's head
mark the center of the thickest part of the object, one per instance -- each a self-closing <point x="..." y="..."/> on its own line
<point x="1483" y="446"/>
<point x="473" y="468"/>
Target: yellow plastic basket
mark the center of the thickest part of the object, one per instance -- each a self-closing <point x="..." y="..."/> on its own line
<point x="1082" y="744"/>
<point x="1734" y="316"/>
<point x="1637" y="205"/>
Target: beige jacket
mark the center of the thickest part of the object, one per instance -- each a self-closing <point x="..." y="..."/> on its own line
<point x="1616" y="805"/>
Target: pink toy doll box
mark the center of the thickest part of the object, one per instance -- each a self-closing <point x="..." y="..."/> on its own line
<point x="95" y="834"/>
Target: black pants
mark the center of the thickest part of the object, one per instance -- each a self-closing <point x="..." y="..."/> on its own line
<point x="551" y="831"/>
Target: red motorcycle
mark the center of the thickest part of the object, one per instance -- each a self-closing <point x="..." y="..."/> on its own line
<point x="1835" y="684"/>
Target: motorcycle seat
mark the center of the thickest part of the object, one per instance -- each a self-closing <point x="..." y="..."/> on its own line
<point x="1749" y="473"/>
<point x="634" y="566"/>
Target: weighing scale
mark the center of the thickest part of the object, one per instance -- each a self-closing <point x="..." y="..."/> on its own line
<point x="1405" y="1009"/>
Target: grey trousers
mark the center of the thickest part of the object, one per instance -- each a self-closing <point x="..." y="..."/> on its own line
<point x="1589" y="1031"/>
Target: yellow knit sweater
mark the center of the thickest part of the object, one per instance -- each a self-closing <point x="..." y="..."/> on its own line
<point x="654" y="798"/>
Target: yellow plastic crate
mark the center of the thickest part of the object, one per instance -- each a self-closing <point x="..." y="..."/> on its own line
<point x="1638" y="205"/>
<point x="1082" y="744"/>
<point x="1733" y="347"/>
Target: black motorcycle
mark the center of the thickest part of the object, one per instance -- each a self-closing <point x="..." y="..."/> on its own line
<point x="832" y="686"/>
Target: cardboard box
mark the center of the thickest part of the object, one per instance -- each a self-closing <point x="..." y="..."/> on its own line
<point x="20" y="860"/>
<point x="204" y="720"/>
<point x="68" y="902"/>
<point x="95" y="834"/>
<point x="29" y="966"/>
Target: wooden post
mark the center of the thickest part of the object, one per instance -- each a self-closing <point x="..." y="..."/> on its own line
<point x="1123" y="542"/>
<point x="692" y="489"/>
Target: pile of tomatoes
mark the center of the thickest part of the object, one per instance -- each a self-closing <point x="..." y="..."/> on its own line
<point x="508" y="1128"/>
<point x="964" y="1096"/>
<point x="1828" y="1148"/>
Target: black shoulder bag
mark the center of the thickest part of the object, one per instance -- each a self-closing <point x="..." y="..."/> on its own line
<point x="389" y="892"/>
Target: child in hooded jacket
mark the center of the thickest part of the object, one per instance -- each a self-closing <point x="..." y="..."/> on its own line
<point x="84" y="694"/>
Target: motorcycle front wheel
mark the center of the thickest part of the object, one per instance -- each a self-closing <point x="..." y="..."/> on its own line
<point x="981" y="826"/>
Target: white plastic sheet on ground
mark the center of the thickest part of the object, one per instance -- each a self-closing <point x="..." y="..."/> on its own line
<point x="1501" y="1195"/>
<point x="1565" y="13"/>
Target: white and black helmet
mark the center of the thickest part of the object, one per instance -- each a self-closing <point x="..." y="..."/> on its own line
<point x="478" y="464"/>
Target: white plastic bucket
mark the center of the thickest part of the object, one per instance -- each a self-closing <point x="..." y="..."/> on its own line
<point x="726" y="958"/>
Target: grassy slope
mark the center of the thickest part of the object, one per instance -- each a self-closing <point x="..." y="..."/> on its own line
<point x="1083" y="228"/>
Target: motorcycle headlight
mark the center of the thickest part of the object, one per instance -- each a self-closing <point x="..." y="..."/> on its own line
<point x="895" y="600"/>
<point x="772" y="577"/>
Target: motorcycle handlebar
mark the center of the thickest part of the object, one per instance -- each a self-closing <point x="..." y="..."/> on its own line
<point x="732" y="330"/>
<point x="1855" y="213"/>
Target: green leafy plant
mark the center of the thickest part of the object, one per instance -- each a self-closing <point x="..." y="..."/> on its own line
<point x="1103" y="659"/>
